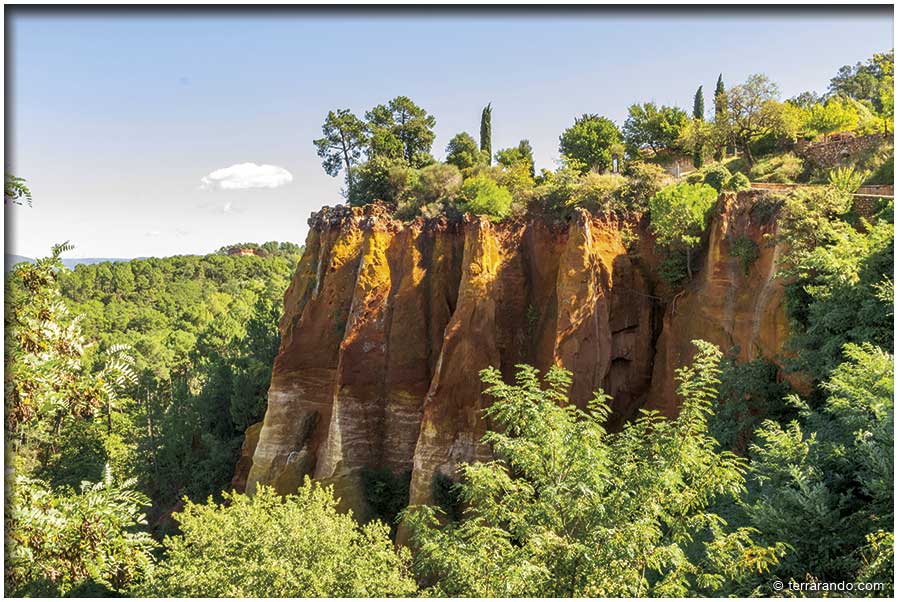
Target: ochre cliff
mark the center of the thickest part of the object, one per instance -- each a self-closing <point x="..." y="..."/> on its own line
<point x="386" y="326"/>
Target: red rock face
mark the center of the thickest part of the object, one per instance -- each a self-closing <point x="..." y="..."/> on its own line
<point x="386" y="327"/>
<point x="742" y="313"/>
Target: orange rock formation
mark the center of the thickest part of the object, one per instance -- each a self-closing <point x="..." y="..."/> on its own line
<point x="386" y="327"/>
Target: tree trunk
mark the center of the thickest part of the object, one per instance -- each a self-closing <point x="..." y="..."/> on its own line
<point x="746" y="148"/>
<point x="689" y="263"/>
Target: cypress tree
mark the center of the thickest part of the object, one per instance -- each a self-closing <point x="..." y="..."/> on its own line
<point x="698" y="105"/>
<point x="698" y="113"/>
<point x="720" y="111"/>
<point x="486" y="126"/>
<point x="720" y="98"/>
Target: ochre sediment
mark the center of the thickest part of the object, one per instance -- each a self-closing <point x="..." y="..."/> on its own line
<point x="387" y="325"/>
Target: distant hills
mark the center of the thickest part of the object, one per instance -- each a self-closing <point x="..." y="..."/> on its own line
<point x="70" y="262"/>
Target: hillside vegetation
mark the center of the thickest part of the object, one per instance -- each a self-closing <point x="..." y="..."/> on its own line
<point x="129" y="385"/>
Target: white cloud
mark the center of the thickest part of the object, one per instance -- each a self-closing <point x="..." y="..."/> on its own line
<point x="246" y="175"/>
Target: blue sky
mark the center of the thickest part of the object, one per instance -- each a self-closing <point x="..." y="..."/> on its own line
<point x="115" y="119"/>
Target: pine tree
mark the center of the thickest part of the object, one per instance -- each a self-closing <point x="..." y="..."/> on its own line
<point x="486" y="128"/>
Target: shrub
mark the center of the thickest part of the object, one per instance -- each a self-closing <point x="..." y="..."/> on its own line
<point x="268" y="546"/>
<point x="386" y="493"/>
<point x="716" y="176"/>
<point x="749" y="394"/>
<point x="745" y="250"/>
<point x="556" y="190"/>
<point x="846" y="179"/>
<point x="672" y="269"/>
<point x="644" y="180"/>
<point x="764" y="208"/>
<point x="432" y="186"/>
<point x="738" y="182"/>
<point x="598" y="192"/>
<point x="65" y="543"/>
<point x="565" y="511"/>
<point x="884" y="173"/>
<point x="447" y="496"/>
<point x="481" y="195"/>
<point x="782" y="169"/>
<point x="382" y="179"/>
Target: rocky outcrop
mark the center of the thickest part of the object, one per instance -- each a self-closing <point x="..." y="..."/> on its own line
<point x="737" y="305"/>
<point x="386" y="326"/>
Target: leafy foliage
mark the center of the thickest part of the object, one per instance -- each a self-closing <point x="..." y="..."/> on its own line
<point x="745" y="250"/>
<point x="60" y="542"/>
<point x="717" y="176"/>
<point x="836" y="273"/>
<point x="569" y="509"/>
<point x="823" y="483"/>
<point x="653" y="127"/>
<point x="481" y="195"/>
<point x="268" y="546"/>
<point x="401" y="129"/>
<point x="463" y="152"/>
<point x="587" y="144"/>
<point x="750" y="393"/>
<point x="66" y="543"/>
<point x="15" y="191"/>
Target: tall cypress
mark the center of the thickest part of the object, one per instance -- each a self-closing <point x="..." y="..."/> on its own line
<point x="698" y="114"/>
<point x="720" y="98"/>
<point x="720" y="112"/>
<point x="486" y="128"/>
<point x="698" y="105"/>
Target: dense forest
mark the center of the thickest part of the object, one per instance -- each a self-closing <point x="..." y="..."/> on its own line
<point x="129" y="386"/>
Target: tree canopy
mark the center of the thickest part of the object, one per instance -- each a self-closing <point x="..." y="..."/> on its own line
<point x="588" y="143"/>
<point x="653" y="127"/>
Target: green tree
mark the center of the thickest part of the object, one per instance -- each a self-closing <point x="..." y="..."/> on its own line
<point x="806" y="100"/>
<point x="522" y="154"/>
<point x="721" y="113"/>
<point x="834" y="116"/>
<point x="401" y="130"/>
<point x="753" y="112"/>
<point x="698" y="116"/>
<point x="839" y="277"/>
<point x="268" y="546"/>
<point x="85" y="544"/>
<point x="481" y="195"/>
<point x="60" y="542"/>
<point x="698" y="105"/>
<point x="342" y="144"/>
<point x="865" y="81"/>
<point x="570" y="510"/>
<point x="486" y="132"/>
<point x="463" y="152"/>
<point x="587" y="144"/>
<point x="679" y="215"/>
<point x="653" y="127"/>
<point x="824" y="483"/>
